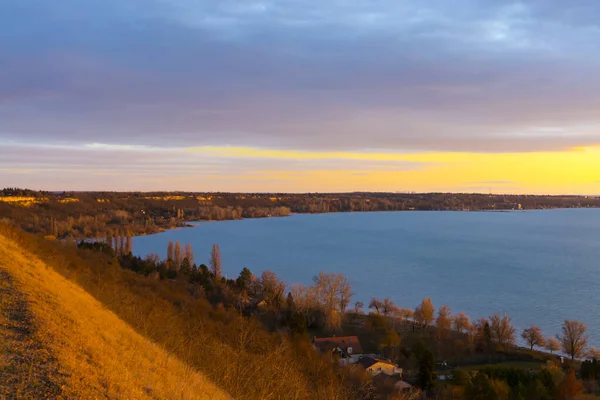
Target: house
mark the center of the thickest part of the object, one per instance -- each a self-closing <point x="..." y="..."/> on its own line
<point x="376" y="366"/>
<point x="344" y="347"/>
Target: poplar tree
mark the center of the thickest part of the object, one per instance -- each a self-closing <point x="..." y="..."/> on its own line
<point x="128" y="245"/>
<point x="215" y="261"/>
<point x="170" y="250"/>
<point x="178" y="255"/>
<point x="189" y="254"/>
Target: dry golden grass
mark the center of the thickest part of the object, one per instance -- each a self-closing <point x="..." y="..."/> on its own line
<point x="27" y="369"/>
<point x="165" y="198"/>
<point x="98" y="355"/>
<point x="68" y="200"/>
<point x="22" y="201"/>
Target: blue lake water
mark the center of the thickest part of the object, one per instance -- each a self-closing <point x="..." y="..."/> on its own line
<point x="540" y="267"/>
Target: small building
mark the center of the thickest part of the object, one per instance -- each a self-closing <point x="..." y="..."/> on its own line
<point x="376" y="366"/>
<point x="344" y="347"/>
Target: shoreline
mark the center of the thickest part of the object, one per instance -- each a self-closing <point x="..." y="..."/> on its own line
<point x="192" y="224"/>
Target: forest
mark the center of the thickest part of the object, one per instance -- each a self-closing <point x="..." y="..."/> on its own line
<point x="101" y="214"/>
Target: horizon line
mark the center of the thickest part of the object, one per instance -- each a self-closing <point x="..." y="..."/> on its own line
<point x="315" y="192"/>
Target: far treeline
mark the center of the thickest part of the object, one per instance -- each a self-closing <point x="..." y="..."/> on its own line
<point x="101" y="214"/>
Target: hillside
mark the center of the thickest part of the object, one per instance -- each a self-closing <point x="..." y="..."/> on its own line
<point x="56" y="340"/>
<point x="99" y="320"/>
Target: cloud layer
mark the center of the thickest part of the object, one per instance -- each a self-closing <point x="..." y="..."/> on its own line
<point x="481" y="76"/>
<point x="373" y="76"/>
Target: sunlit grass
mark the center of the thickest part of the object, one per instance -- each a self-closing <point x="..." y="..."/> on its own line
<point x="99" y="354"/>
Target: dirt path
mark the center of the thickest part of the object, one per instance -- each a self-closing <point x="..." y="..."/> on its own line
<point x="27" y="369"/>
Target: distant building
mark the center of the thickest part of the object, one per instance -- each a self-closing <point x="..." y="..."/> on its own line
<point x="376" y="366"/>
<point x="344" y="347"/>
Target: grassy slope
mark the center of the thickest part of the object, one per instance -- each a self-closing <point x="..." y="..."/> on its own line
<point x="96" y="353"/>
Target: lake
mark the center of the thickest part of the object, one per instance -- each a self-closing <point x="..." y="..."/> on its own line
<point x="538" y="266"/>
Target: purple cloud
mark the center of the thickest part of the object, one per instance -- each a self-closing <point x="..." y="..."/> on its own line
<point x="491" y="76"/>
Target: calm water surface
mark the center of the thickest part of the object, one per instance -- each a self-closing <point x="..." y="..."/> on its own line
<point x="539" y="266"/>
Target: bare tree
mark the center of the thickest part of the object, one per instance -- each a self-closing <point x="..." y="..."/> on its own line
<point x="333" y="290"/>
<point x="306" y="301"/>
<point x="593" y="353"/>
<point x="346" y="294"/>
<point x="552" y="344"/>
<point x="376" y="304"/>
<point x="425" y="312"/>
<point x="128" y="244"/>
<point x="533" y="336"/>
<point x="461" y="322"/>
<point x="153" y="258"/>
<point x="178" y="255"/>
<point x="573" y="338"/>
<point x="189" y="253"/>
<point x="405" y="314"/>
<point x="502" y="330"/>
<point x="215" y="261"/>
<point x="304" y="296"/>
<point x="298" y="292"/>
<point x="387" y="307"/>
<point x="170" y="251"/>
<point x="273" y="289"/>
<point x="358" y="306"/>
<point x="122" y="244"/>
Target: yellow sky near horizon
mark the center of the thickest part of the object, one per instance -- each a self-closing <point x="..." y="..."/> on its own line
<point x="571" y="171"/>
<point x="247" y="169"/>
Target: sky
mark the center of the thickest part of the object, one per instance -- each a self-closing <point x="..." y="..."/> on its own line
<point x="301" y="95"/>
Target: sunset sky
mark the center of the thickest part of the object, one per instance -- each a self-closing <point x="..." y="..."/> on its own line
<point x="301" y="95"/>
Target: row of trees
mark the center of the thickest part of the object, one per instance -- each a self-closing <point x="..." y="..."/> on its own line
<point x="121" y="244"/>
<point x="327" y="300"/>
<point x="96" y="214"/>
<point x="330" y="296"/>
<point x="180" y="258"/>
<point x="497" y="329"/>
